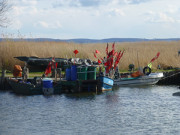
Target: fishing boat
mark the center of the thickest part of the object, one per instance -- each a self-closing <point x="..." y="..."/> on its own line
<point x="25" y="88"/>
<point x="109" y="63"/>
<point x="45" y="87"/>
<point x="106" y="83"/>
<point x="150" y="79"/>
<point x="39" y="64"/>
<point x="140" y="77"/>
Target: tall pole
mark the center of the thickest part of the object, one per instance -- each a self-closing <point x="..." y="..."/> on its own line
<point x="138" y="59"/>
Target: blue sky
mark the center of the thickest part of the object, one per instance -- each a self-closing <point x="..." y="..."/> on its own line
<point x="94" y="19"/>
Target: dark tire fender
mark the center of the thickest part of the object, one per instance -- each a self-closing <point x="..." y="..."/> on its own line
<point x="147" y="70"/>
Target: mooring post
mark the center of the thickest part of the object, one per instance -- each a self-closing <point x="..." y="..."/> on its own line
<point x="3" y="79"/>
<point x="55" y="74"/>
<point x="60" y="73"/>
<point x="3" y="73"/>
<point x="79" y="85"/>
<point x="96" y="89"/>
<point x="25" y="75"/>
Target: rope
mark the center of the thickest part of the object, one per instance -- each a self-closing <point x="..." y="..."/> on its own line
<point x="170" y="75"/>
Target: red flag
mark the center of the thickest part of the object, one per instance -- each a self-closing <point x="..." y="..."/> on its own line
<point x="110" y="53"/>
<point x="113" y="49"/>
<point x="99" y="61"/>
<point x="54" y="63"/>
<point x="97" y="51"/>
<point x="76" y="52"/>
<point x="115" y="54"/>
<point x="105" y="64"/>
<point x="95" y="55"/>
<point x="118" y="59"/>
<point x="157" y="55"/>
<point x="48" y="69"/>
<point x="109" y="63"/>
<point x="53" y="59"/>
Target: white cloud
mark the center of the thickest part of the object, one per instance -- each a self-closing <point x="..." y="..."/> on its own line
<point x="172" y="9"/>
<point x="43" y="24"/>
<point x="17" y="10"/>
<point x="29" y="2"/>
<point x="119" y="12"/>
<point x="178" y="21"/>
<point x="150" y="13"/>
<point x="48" y="25"/>
<point x="33" y="11"/>
<point x="95" y="3"/>
<point x="16" y="25"/>
<point x="58" y="25"/>
<point x="165" y="18"/>
<point x="159" y="17"/>
<point x="114" y="2"/>
<point x="135" y="1"/>
<point x="95" y="18"/>
<point x="66" y="3"/>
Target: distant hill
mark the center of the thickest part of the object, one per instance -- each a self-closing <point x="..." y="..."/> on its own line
<point x="84" y="40"/>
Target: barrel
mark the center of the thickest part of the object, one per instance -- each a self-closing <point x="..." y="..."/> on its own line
<point x="68" y="74"/>
<point x="73" y="72"/>
<point x="91" y="73"/>
<point x="82" y="72"/>
<point x="48" y="86"/>
<point x="47" y="83"/>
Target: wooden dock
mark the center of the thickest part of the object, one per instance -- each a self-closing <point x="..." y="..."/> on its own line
<point x="80" y="86"/>
<point x="60" y="86"/>
<point x="4" y="85"/>
<point x="170" y="78"/>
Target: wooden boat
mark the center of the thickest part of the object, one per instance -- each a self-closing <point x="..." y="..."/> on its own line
<point x="25" y="88"/>
<point x="29" y="88"/>
<point x="42" y="63"/>
<point x="106" y="83"/>
<point x="150" y="79"/>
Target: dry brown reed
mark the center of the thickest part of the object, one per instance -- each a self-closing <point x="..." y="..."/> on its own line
<point x="137" y="53"/>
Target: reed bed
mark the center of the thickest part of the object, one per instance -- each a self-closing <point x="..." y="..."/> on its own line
<point x="137" y="53"/>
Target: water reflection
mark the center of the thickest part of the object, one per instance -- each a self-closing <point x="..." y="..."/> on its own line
<point x="125" y="110"/>
<point x="111" y="97"/>
<point x="85" y="95"/>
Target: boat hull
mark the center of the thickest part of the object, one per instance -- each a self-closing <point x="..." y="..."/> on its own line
<point x="138" y="81"/>
<point x="106" y="83"/>
<point x="31" y="89"/>
<point x="25" y="89"/>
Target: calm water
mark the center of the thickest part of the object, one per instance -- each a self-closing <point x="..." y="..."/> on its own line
<point x="125" y="111"/>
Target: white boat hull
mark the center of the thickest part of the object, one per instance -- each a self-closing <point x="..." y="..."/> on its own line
<point x="150" y="79"/>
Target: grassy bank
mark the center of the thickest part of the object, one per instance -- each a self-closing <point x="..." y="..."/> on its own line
<point x="137" y="53"/>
